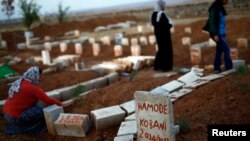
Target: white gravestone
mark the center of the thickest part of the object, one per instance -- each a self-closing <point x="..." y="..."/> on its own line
<point x="96" y="49"/>
<point x="135" y="50"/>
<point x="118" y="50"/>
<point x="140" y="29"/>
<point x="195" y="55"/>
<point x="63" y="47"/>
<point x="125" y="41"/>
<point x="77" y="33"/>
<point x="106" y="40"/>
<point x="46" y="57"/>
<point x="134" y="41"/>
<point x="72" y="125"/>
<point x="47" y="46"/>
<point x="91" y="40"/>
<point x="78" y="48"/>
<point x="152" y="39"/>
<point x="211" y="42"/>
<point x="154" y="117"/>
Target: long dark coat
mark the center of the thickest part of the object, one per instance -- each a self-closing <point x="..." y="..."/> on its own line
<point x="164" y="56"/>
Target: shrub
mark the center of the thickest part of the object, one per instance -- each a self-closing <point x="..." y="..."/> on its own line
<point x="62" y="13"/>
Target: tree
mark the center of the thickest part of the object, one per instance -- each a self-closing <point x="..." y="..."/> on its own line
<point x="8" y="8"/>
<point x="30" y="12"/>
<point x="62" y="12"/>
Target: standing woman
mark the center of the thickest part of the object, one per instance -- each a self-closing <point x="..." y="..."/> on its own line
<point x="164" y="56"/>
<point x="22" y="109"/>
<point x="216" y="26"/>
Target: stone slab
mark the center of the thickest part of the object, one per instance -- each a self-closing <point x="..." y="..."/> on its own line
<point x="107" y="117"/>
<point x="66" y="92"/>
<point x="124" y="138"/>
<point x="172" y="86"/>
<point x="159" y="90"/>
<point x="188" y="78"/>
<point x="51" y="114"/>
<point x="131" y="117"/>
<point x="127" y="128"/>
<point x="99" y="82"/>
<point x="128" y="107"/>
<point x="112" y="77"/>
<point x="227" y="72"/>
<point x="161" y="75"/>
<point x="154" y="117"/>
<point x="210" y="77"/>
<point x="196" y="84"/>
<point x="76" y="125"/>
<point x="54" y="94"/>
<point x="180" y="93"/>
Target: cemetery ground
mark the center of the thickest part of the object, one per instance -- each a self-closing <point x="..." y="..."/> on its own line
<point x="223" y="101"/>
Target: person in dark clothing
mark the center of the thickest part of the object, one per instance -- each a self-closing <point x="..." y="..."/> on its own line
<point x="216" y="26"/>
<point x="164" y="56"/>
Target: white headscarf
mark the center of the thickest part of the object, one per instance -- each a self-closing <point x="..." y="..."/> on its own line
<point x="32" y="75"/>
<point x="159" y="7"/>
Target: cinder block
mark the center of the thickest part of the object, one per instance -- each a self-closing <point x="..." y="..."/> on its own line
<point x="51" y="113"/>
<point x="107" y="117"/>
<point x="128" y="107"/>
<point x="72" y="125"/>
<point x="166" y="74"/>
<point x="131" y="117"/>
<point x="172" y="86"/>
<point x="127" y="128"/>
<point x="124" y="138"/>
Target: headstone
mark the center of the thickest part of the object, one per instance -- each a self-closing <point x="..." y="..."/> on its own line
<point x="106" y="40"/>
<point x="47" y="46"/>
<point x="186" y="41"/>
<point x="195" y="54"/>
<point x="118" y="50"/>
<point x="125" y="41"/>
<point x="77" y="33"/>
<point x="28" y="35"/>
<point x="234" y="53"/>
<point x="140" y="29"/>
<point x="118" y="38"/>
<point x="134" y="41"/>
<point x="72" y="125"/>
<point x="78" y="48"/>
<point x="172" y="86"/>
<point x="46" y="57"/>
<point x="154" y="117"/>
<point x="135" y="50"/>
<point x="143" y="40"/>
<point x="63" y="47"/>
<point x="96" y="49"/>
<point x="51" y="113"/>
<point x="107" y="117"/>
<point x="21" y="46"/>
<point x="124" y="138"/>
<point x="91" y="40"/>
<point x="127" y="128"/>
<point x="242" y="43"/>
<point x="188" y="30"/>
<point x="152" y="39"/>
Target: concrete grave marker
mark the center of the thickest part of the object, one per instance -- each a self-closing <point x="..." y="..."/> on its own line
<point x="124" y="138"/>
<point x="154" y="117"/>
<point x="129" y="107"/>
<point x="180" y="93"/>
<point x="46" y="57"/>
<point x="195" y="84"/>
<point x="188" y="78"/>
<point x="72" y="125"/>
<point x="106" y="40"/>
<point x="186" y="41"/>
<point x="172" y="86"/>
<point x="242" y="43"/>
<point x="131" y="117"/>
<point x="159" y="90"/>
<point x="125" y="41"/>
<point x="135" y="50"/>
<point x="127" y="128"/>
<point x="188" y="30"/>
<point x="152" y="39"/>
<point x="118" y="50"/>
<point x="76" y="33"/>
<point x="134" y="41"/>
<point x="210" y="77"/>
<point x="140" y="29"/>
<point x="96" y="49"/>
<point x="195" y="54"/>
<point x="91" y="40"/>
<point x="143" y="40"/>
<point x="63" y="47"/>
<point x="47" y="46"/>
<point x="78" y="48"/>
<point x="234" y="53"/>
<point x="51" y="113"/>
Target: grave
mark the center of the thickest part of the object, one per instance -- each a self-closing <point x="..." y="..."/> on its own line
<point x="143" y="40"/>
<point x="154" y="117"/>
<point x="128" y="107"/>
<point x="51" y="113"/>
<point x="178" y="94"/>
<point x="140" y="29"/>
<point x="76" y="125"/>
<point x="186" y="41"/>
<point x="152" y="39"/>
<point x="188" y="78"/>
<point x="47" y="46"/>
<point x="127" y="128"/>
<point x="124" y="138"/>
<point x="106" y="40"/>
<point x="125" y="41"/>
<point x="134" y="41"/>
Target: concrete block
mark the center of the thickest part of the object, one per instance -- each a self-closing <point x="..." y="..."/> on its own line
<point x="127" y="128"/>
<point x="197" y="71"/>
<point x="166" y="74"/>
<point x="54" y="94"/>
<point x="66" y="92"/>
<point x="238" y="63"/>
<point x="124" y="138"/>
<point x="88" y="85"/>
<point x="131" y="117"/>
<point x="99" y="82"/>
<point x="160" y="91"/>
<point x="195" y="84"/>
<point x="76" y="125"/>
<point x="188" y="78"/>
<point x="210" y="77"/>
<point x="51" y="114"/>
<point x="242" y="43"/>
<point x="128" y="107"/>
<point x="180" y="93"/>
<point x="112" y="77"/>
<point x="107" y="117"/>
<point x="172" y="86"/>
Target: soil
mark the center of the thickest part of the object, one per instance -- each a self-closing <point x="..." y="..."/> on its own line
<point x="224" y="101"/>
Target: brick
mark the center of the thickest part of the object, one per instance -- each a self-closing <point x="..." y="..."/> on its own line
<point x="128" y="107"/>
<point x="172" y="86"/>
<point x="51" y="113"/>
<point x="76" y="125"/>
<point x="107" y="117"/>
<point x="127" y="128"/>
